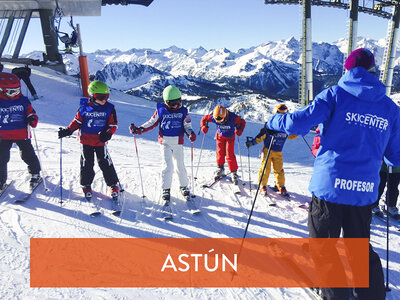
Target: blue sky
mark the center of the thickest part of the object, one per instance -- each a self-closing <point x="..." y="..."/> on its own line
<point x="232" y="24"/>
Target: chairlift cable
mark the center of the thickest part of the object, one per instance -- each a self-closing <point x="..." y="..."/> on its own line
<point x="3" y="21"/>
<point x="17" y="29"/>
<point x="13" y="33"/>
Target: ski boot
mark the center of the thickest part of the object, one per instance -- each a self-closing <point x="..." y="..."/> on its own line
<point x="114" y="192"/>
<point x="35" y="180"/>
<point x="87" y="191"/>
<point x="219" y="173"/>
<point x="235" y="177"/>
<point x="263" y="190"/>
<point x="185" y="192"/>
<point x="283" y="191"/>
<point x="394" y="212"/>
<point x="166" y="194"/>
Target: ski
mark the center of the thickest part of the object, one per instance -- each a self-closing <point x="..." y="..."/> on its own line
<point x="191" y="206"/>
<point x="275" y="189"/>
<point x="213" y="182"/>
<point x="28" y="195"/>
<point x="166" y="211"/>
<point x="6" y="185"/>
<point x="94" y="211"/>
<point x="288" y="198"/>
<point x="269" y="200"/>
<point x="115" y="206"/>
<point x="236" y="189"/>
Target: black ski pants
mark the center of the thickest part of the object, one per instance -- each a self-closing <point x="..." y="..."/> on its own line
<point x="104" y="161"/>
<point x="392" y="180"/>
<point x="27" y="153"/>
<point x="326" y="220"/>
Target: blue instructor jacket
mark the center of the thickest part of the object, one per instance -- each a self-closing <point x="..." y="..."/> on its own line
<point x="360" y="126"/>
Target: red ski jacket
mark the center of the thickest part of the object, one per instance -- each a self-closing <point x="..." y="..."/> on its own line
<point x="86" y="118"/>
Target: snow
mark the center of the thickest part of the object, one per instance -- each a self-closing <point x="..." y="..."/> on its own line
<point x="223" y="213"/>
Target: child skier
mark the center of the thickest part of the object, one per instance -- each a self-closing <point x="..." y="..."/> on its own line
<point x="16" y="113"/>
<point x="275" y="156"/>
<point x="228" y="124"/>
<point x="97" y="120"/>
<point x="173" y="121"/>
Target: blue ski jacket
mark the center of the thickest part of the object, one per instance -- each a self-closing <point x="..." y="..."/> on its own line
<point x="359" y="126"/>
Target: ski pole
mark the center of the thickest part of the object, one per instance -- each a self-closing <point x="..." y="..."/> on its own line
<point x="307" y="144"/>
<point x="201" y="150"/>
<point x="255" y="198"/>
<point x="109" y="157"/>
<point x="248" y="161"/>
<point x="191" y="162"/>
<point x="387" y="289"/>
<point x="40" y="161"/>
<point x="138" y="161"/>
<point x="259" y="184"/>
<point x="121" y="189"/>
<point x="240" y="158"/>
<point x="61" y="188"/>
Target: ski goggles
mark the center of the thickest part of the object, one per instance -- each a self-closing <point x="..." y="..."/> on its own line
<point x="101" y="97"/>
<point x="220" y="119"/>
<point x="174" y="103"/>
<point x="11" y="92"/>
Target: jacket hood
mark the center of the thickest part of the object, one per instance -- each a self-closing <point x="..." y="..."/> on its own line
<point x="362" y="84"/>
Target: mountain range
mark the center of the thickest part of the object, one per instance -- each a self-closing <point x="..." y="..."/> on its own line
<point x="269" y="70"/>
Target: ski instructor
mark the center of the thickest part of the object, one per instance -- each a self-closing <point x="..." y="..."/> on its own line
<point x="359" y="125"/>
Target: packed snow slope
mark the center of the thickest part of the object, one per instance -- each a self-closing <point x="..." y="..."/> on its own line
<point x="223" y="214"/>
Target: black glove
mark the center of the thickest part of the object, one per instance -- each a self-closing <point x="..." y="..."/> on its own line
<point x="136" y="130"/>
<point x="250" y="142"/>
<point x="63" y="132"/>
<point x="32" y="120"/>
<point x="104" y="136"/>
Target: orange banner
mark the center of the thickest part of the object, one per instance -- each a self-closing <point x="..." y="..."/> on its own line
<point x="200" y="262"/>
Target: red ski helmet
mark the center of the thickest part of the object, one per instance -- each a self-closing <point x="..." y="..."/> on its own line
<point x="10" y="86"/>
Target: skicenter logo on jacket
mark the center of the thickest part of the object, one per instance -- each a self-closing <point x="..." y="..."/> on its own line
<point x="367" y="120"/>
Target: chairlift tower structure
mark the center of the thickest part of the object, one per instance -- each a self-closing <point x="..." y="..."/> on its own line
<point x="13" y="13"/>
<point x="388" y="9"/>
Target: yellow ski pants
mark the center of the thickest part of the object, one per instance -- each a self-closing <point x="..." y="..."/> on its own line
<point x="277" y="166"/>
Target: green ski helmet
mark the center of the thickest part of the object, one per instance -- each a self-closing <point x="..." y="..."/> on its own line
<point x="98" y="90"/>
<point x="172" y="97"/>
